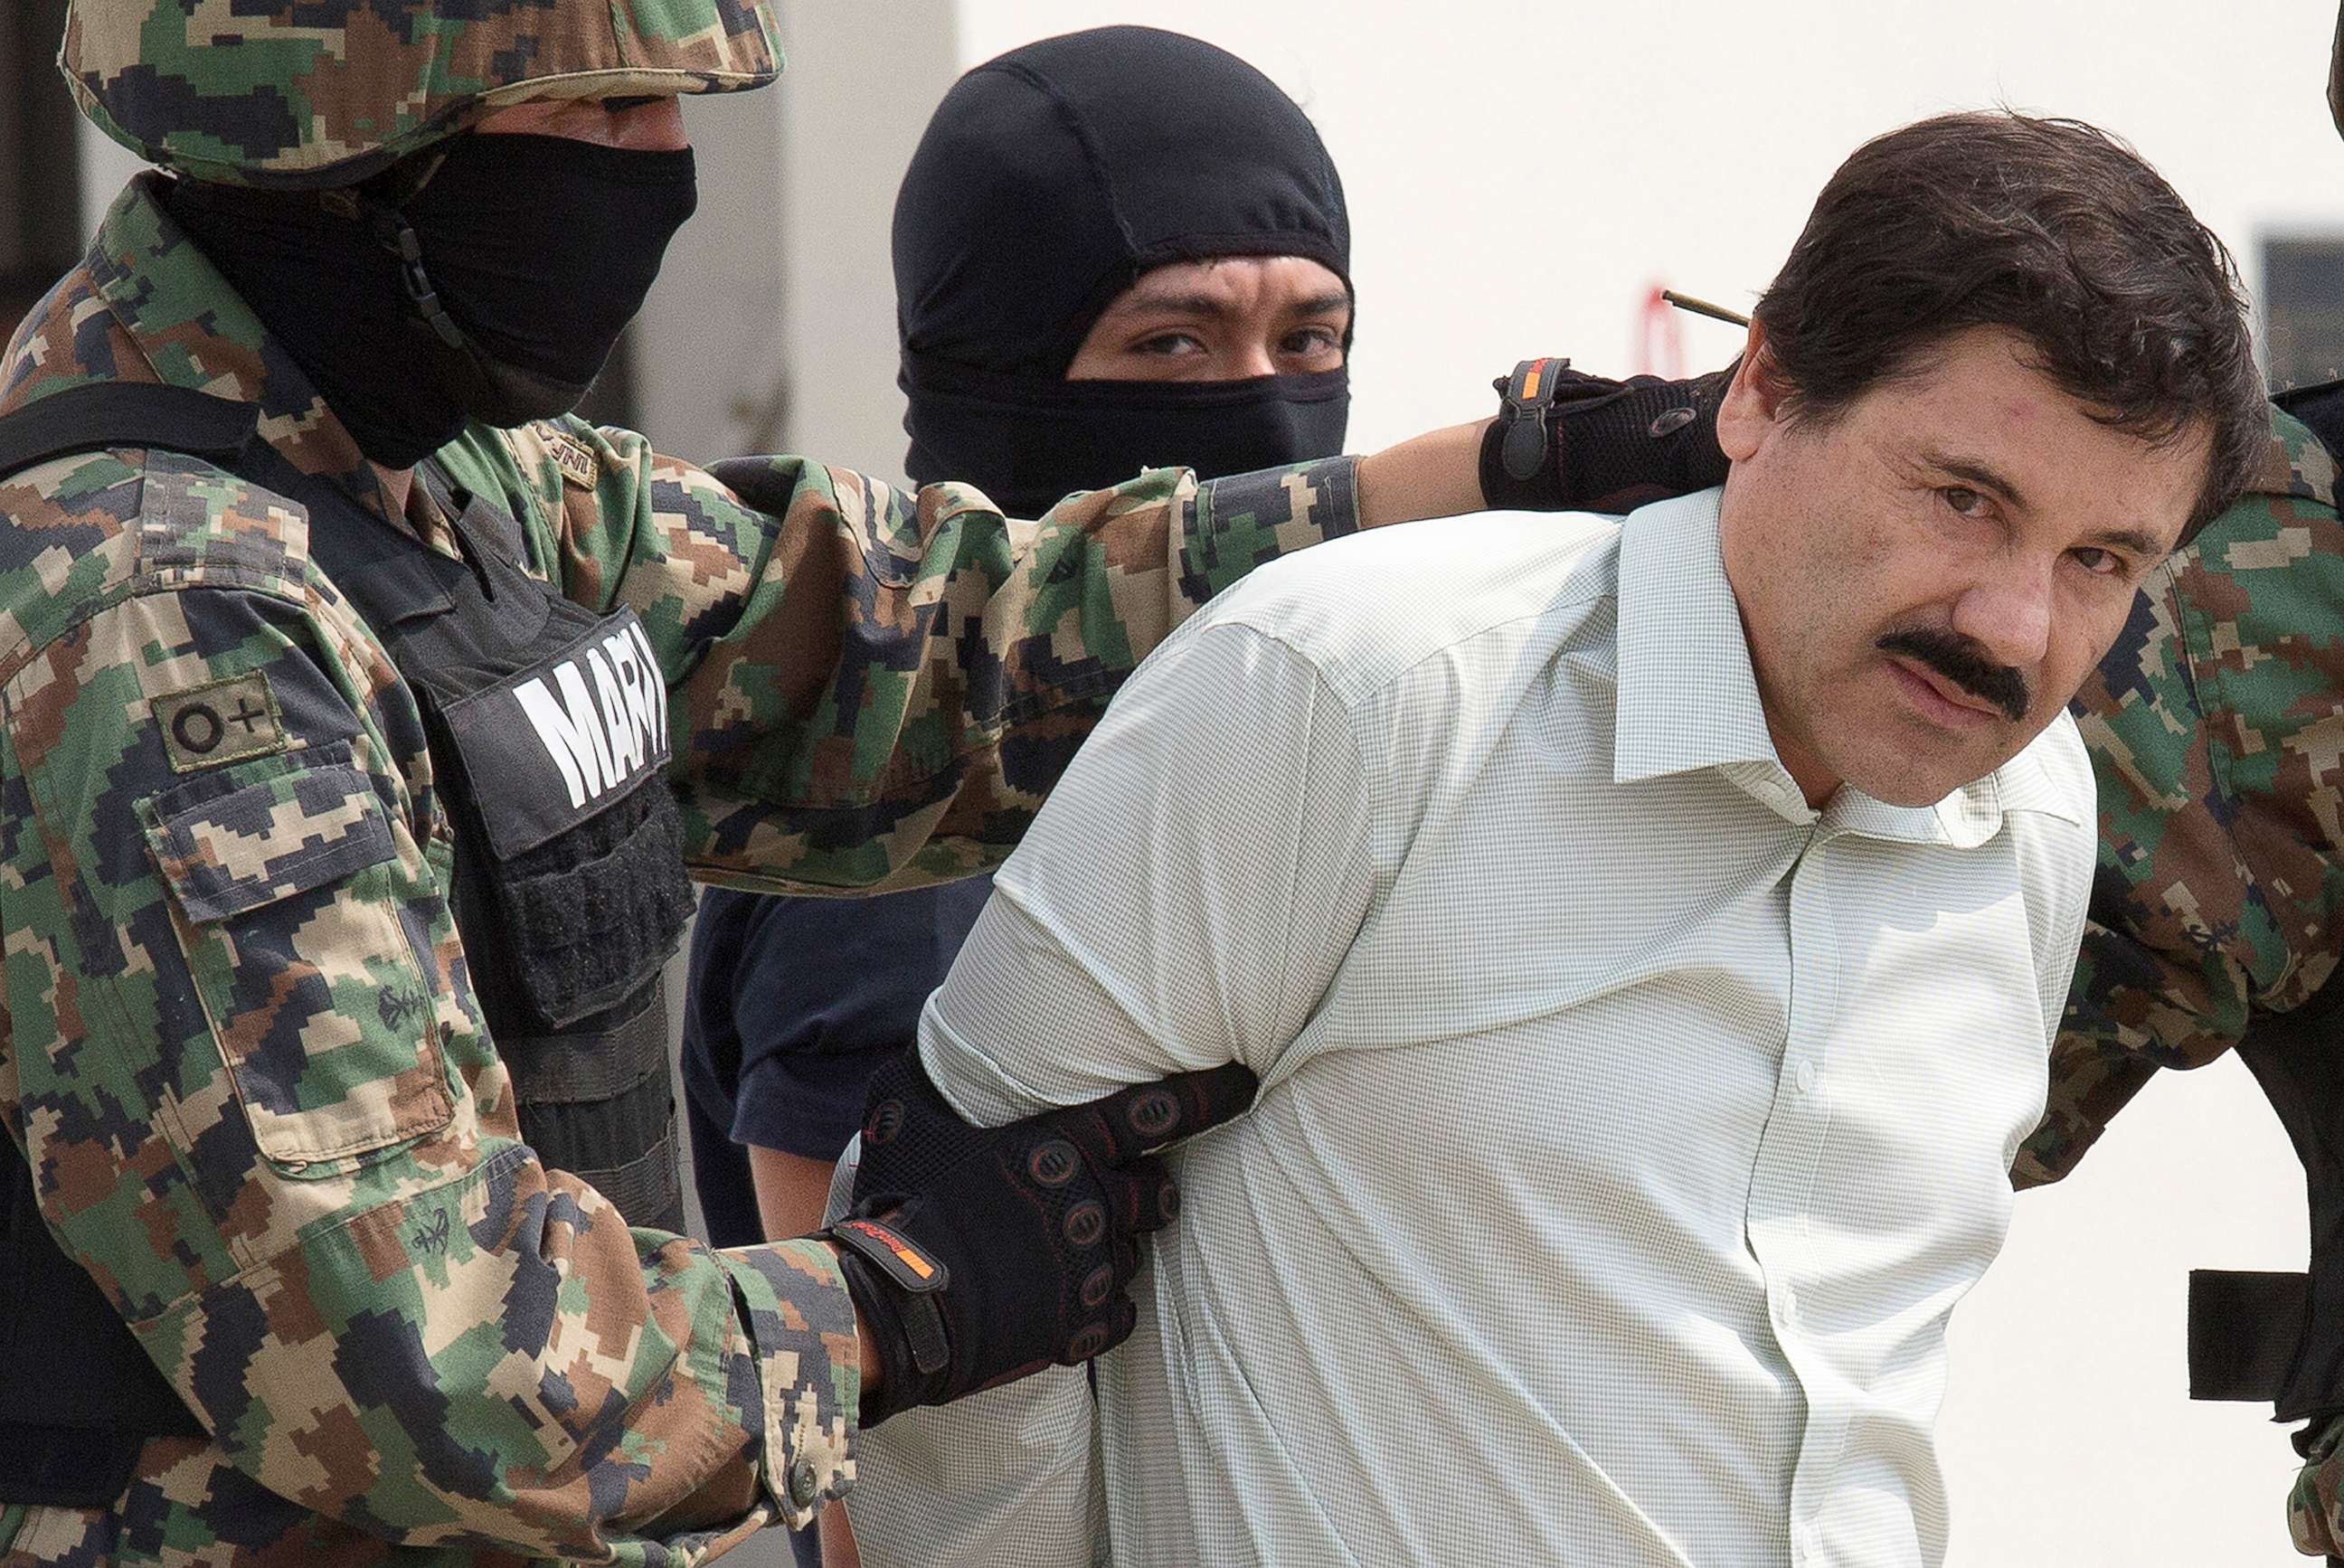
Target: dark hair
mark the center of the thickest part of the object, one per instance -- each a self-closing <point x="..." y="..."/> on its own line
<point x="2051" y="228"/>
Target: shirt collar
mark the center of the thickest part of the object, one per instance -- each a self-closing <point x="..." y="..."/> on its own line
<point x="194" y="330"/>
<point x="1688" y="698"/>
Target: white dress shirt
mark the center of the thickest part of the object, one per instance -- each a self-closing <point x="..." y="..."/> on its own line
<point x="1628" y="1131"/>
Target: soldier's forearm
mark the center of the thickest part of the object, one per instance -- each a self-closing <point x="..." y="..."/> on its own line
<point x="1437" y="474"/>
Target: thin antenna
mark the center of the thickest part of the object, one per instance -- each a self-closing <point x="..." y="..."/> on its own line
<point x="1704" y="308"/>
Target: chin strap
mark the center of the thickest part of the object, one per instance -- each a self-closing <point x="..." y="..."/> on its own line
<point x="397" y="235"/>
<point x="487" y="388"/>
<point x="378" y="204"/>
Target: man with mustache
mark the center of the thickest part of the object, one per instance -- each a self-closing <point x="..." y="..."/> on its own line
<point x="2217" y="912"/>
<point x="2213" y="922"/>
<point x="1649" y="943"/>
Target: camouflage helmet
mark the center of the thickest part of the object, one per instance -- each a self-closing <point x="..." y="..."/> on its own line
<point x="314" y="92"/>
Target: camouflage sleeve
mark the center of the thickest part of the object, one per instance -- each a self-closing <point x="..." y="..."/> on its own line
<point x="2215" y="726"/>
<point x="243" y="1061"/>
<point x="874" y="685"/>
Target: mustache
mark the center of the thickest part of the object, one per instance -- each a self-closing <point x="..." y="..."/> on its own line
<point x="1960" y="661"/>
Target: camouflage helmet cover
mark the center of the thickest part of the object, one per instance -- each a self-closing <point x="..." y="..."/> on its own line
<point x="313" y="93"/>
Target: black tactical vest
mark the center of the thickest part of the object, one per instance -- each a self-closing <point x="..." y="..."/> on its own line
<point x="548" y="733"/>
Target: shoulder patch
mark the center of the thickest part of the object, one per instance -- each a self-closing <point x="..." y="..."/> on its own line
<point x="220" y="721"/>
<point x="575" y="459"/>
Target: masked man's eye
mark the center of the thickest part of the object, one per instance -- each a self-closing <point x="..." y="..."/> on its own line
<point x="1310" y="342"/>
<point x="1170" y="345"/>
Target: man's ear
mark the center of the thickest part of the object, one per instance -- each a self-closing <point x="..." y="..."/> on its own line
<point x="1753" y="408"/>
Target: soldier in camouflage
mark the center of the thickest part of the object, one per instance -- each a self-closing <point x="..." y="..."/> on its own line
<point x="244" y="1060"/>
<point x="2212" y="727"/>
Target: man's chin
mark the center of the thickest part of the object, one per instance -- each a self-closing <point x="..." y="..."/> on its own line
<point x="1906" y="792"/>
<point x="1921" y="775"/>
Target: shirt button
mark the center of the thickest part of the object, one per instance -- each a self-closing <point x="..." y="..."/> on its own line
<point x="806" y="1486"/>
<point x="1786" y="1306"/>
<point x="1805" y="1074"/>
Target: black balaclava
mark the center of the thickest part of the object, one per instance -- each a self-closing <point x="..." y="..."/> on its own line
<point x="538" y="249"/>
<point x="1049" y="180"/>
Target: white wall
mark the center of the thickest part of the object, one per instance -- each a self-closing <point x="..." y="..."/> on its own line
<point x="107" y="165"/>
<point x="1520" y="174"/>
<point x="861" y="82"/>
<point x="711" y="348"/>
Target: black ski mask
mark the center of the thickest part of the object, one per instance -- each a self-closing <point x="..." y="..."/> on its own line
<point x="543" y="248"/>
<point x="1048" y="181"/>
<point x="533" y="322"/>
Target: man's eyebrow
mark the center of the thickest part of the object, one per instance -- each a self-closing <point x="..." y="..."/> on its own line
<point x="1982" y="474"/>
<point x="1144" y="301"/>
<point x="1326" y="304"/>
<point x="2137" y="541"/>
<point x="1173" y="302"/>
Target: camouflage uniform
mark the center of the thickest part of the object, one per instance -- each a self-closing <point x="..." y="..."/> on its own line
<point x="2218" y="740"/>
<point x="242" y="1054"/>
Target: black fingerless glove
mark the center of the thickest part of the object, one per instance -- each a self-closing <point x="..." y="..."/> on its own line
<point x="978" y="1255"/>
<point x="1568" y="441"/>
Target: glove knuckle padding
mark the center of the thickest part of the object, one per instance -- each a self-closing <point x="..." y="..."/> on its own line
<point x="1095" y="1129"/>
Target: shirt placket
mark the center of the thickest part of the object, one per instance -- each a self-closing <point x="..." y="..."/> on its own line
<point x="1781" y="1186"/>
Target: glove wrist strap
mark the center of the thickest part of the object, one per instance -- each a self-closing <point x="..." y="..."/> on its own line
<point x="1525" y="399"/>
<point x="918" y="1276"/>
<point x="896" y="1284"/>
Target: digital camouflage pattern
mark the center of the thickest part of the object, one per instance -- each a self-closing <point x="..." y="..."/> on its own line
<point x="327" y="92"/>
<point x="243" y="1054"/>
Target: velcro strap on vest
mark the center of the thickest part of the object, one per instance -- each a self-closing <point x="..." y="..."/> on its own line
<point x="590" y="1064"/>
<point x="591" y="1099"/>
<point x="2246" y="1331"/>
<point x="125" y="414"/>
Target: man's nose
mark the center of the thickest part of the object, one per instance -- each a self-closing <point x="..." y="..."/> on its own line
<point x="1251" y="359"/>
<point x="2007" y="612"/>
